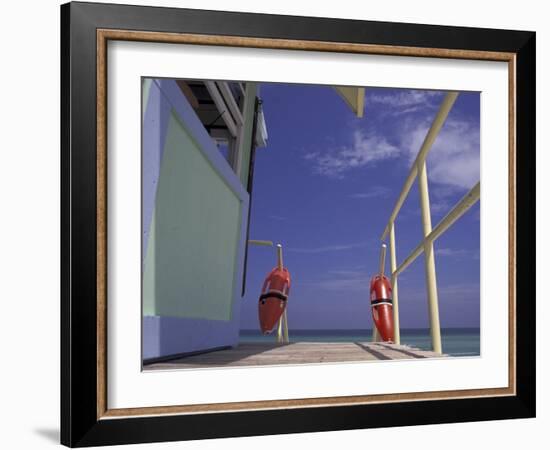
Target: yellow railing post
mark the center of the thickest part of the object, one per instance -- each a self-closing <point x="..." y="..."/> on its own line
<point x="393" y="268"/>
<point x="285" y="328"/>
<point x="429" y="258"/>
<point x="382" y="264"/>
<point x="375" y="334"/>
<point x="280" y="257"/>
<point x="282" y="329"/>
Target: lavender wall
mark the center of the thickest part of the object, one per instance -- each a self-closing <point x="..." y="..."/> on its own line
<point x="194" y="211"/>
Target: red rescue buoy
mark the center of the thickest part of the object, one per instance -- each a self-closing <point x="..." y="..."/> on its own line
<point x="382" y="307"/>
<point x="381" y="301"/>
<point x="273" y="299"/>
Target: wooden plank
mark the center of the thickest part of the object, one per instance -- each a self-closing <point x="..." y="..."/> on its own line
<point x="260" y="354"/>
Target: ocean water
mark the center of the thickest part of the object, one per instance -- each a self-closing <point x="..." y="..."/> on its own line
<point x="455" y="341"/>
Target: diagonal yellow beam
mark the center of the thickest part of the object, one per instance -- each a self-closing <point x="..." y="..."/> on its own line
<point x="458" y="210"/>
<point x="354" y="98"/>
<point x="437" y="124"/>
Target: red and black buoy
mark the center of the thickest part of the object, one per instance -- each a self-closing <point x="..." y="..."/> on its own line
<point x="381" y="302"/>
<point x="274" y="295"/>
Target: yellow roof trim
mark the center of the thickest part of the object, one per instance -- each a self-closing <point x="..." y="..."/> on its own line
<point x="354" y="98"/>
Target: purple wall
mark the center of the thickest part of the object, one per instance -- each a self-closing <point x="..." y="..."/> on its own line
<point x="165" y="335"/>
<point x="155" y="126"/>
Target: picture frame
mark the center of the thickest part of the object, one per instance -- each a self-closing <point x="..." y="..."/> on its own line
<point x="86" y="28"/>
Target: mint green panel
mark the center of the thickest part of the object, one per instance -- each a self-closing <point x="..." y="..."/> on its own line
<point x="190" y="262"/>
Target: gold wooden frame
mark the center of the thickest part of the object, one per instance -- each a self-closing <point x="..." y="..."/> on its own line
<point x="104" y="35"/>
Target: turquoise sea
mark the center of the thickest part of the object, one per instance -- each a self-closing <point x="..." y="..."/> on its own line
<point x="455" y="341"/>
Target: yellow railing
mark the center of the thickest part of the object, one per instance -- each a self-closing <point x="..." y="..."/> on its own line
<point x="418" y="170"/>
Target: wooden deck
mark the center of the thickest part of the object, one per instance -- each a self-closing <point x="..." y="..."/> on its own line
<point x="262" y="354"/>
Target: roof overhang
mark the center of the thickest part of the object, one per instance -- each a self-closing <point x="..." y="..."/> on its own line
<point x="354" y="98"/>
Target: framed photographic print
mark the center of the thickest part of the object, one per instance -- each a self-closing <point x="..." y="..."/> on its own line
<point x="276" y="224"/>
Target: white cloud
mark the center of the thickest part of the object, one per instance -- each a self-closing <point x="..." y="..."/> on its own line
<point x="436" y="207"/>
<point x="454" y="293"/>
<point x="460" y="292"/>
<point x="454" y="158"/>
<point x="449" y="252"/>
<point x="358" y="281"/>
<point x="328" y="248"/>
<point x="364" y="150"/>
<point x="276" y="217"/>
<point x="398" y="102"/>
<point x="439" y="206"/>
<point x="453" y="162"/>
<point x="342" y="281"/>
<point x="345" y="273"/>
<point x="457" y="253"/>
<point x="442" y="192"/>
<point x="374" y="191"/>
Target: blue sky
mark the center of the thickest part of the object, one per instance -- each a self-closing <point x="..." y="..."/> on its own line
<point x="325" y="185"/>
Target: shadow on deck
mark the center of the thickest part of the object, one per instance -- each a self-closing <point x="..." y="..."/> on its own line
<point x="263" y="354"/>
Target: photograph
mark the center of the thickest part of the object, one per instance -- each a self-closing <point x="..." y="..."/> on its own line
<point x="291" y="224"/>
<point x="273" y="224"/>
